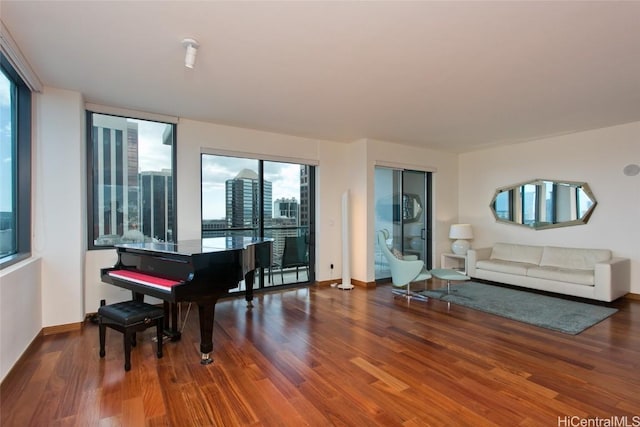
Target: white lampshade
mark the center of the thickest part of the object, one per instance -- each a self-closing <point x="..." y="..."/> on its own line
<point x="460" y="232"/>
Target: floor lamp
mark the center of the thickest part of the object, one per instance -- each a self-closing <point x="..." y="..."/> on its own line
<point x="346" y="258"/>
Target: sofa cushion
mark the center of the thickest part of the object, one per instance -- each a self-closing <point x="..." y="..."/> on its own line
<point x="580" y="277"/>
<point x="500" y="266"/>
<point x="518" y="253"/>
<point x="573" y="258"/>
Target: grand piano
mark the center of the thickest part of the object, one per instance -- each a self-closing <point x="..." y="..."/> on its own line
<point x="199" y="271"/>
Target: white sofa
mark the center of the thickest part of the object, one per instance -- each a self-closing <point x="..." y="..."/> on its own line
<point x="586" y="273"/>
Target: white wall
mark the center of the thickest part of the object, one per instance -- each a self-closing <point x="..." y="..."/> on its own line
<point x="596" y="157"/>
<point x="331" y="183"/>
<point x="59" y="224"/>
<point x="20" y="311"/>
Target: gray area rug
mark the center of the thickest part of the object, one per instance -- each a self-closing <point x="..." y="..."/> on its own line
<point x="558" y="314"/>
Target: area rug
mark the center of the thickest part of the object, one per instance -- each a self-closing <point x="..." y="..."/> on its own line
<point x="558" y="314"/>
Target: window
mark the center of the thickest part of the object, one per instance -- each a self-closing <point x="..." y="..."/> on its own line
<point x="251" y="197"/>
<point x="15" y="166"/>
<point x="131" y="180"/>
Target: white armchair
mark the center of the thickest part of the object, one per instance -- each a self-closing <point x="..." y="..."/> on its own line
<point x="403" y="271"/>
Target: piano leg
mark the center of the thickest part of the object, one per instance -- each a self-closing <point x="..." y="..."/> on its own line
<point x="249" y="279"/>
<point x="171" y="321"/>
<point x="206" y="311"/>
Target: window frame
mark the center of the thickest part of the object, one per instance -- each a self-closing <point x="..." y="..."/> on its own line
<point x="90" y="173"/>
<point x="22" y="173"/>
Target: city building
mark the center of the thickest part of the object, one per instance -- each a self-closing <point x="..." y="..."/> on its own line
<point x="116" y="148"/>
<point x="243" y="200"/>
<point x="156" y="200"/>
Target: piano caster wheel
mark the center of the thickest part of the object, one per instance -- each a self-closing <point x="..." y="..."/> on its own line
<point x="249" y="304"/>
<point x="205" y="359"/>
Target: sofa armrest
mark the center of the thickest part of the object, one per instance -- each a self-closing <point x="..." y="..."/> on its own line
<point x="612" y="279"/>
<point x="475" y="255"/>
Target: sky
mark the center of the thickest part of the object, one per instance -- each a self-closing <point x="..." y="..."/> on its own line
<point x="153" y="155"/>
<point x="216" y="170"/>
<point x="6" y="193"/>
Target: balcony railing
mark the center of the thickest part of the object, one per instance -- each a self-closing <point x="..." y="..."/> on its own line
<point x="275" y="275"/>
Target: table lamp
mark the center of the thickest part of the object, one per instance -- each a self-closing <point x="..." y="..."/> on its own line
<point x="462" y="233"/>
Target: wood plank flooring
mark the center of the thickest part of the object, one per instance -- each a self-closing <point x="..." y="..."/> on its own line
<point x="325" y="357"/>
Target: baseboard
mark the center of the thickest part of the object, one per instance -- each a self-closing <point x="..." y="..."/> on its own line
<point x="58" y="329"/>
<point x="31" y="349"/>
<point x="631" y="296"/>
<point x="361" y="284"/>
<point x="326" y="283"/>
<point x="354" y="282"/>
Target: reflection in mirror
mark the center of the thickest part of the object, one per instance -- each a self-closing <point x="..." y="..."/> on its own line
<point x="542" y="204"/>
<point x="411" y="208"/>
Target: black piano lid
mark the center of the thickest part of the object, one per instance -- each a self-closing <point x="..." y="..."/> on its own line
<point x="197" y="246"/>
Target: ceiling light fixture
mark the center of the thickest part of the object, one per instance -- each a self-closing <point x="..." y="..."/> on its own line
<point x="192" y="49"/>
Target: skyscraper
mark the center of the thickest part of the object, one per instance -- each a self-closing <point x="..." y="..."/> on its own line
<point x="303" y="219"/>
<point x="286" y="208"/>
<point x="243" y="200"/>
<point x="115" y="152"/>
<point x="156" y="202"/>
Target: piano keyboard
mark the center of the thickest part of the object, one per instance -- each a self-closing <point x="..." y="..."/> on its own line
<point x="145" y="279"/>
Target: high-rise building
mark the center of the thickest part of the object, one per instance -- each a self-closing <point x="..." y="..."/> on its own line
<point x="214" y="227"/>
<point x="243" y="200"/>
<point x="115" y="153"/>
<point x="156" y="203"/>
<point x="303" y="219"/>
<point x="286" y="208"/>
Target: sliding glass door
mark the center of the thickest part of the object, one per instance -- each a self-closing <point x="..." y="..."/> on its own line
<point x="403" y="207"/>
<point x="252" y="197"/>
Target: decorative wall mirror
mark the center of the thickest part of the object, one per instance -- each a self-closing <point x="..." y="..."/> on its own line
<point x="408" y="211"/>
<point x="411" y="208"/>
<point x="542" y="204"/>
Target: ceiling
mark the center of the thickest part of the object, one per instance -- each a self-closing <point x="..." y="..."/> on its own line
<point x="456" y="76"/>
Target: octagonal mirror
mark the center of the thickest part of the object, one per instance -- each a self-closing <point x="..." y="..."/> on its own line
<point x="542" y="203"/>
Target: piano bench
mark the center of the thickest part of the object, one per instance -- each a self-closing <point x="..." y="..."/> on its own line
<point x="130" y="317"/>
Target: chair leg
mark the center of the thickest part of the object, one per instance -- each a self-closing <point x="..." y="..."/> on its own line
<point x="406" y="294"/>
<point x="127" y="351"/>
<point x="102" y="332"/>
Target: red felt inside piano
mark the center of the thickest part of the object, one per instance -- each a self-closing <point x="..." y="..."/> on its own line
<point x="144" y="279"/>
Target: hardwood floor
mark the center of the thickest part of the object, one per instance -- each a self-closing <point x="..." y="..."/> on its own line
<point x="325" y="357"/>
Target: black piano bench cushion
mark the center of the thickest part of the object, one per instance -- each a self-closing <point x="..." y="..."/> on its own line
<point x="129" y="317"/>
<point x="131" y="312"/>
